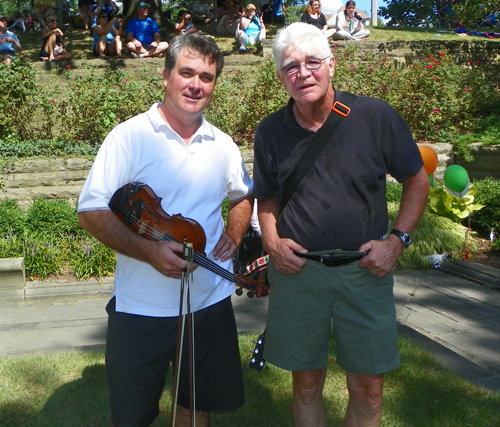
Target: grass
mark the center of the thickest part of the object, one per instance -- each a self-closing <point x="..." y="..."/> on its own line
<point x="79" y="41"/>
<point x="69" y="389"/>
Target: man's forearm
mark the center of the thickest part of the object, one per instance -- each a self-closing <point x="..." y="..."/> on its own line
<point x="238" y="218"/>
<point x="413" y="202"/>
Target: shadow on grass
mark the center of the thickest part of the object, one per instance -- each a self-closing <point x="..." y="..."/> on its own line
<point x="421" y="393"/>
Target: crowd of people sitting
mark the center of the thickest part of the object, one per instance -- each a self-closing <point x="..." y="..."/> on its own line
<point x="246" y="24"/>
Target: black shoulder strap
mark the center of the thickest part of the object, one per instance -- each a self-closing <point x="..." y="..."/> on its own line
<point x="341" y="108"/>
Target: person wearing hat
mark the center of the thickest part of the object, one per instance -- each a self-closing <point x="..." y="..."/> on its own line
<point x="9" y="43"/>
<point x="143" y="35"/>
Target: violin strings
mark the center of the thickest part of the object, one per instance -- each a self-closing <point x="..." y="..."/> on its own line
<point x="198" y="258"/>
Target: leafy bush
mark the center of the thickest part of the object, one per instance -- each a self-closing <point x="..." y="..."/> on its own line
<point x="435" y="235"/>
<point x="41" y="257"/>
<point x="98" y="101"/>
<point x="51" y="218"/>
<point x="488" y="194"/>
<point x="90" y="258"/>
<point x="393" y="192"/>
<point x="12" y="219"/>
<point x="457" y="209"/>
<point x="435" y="96"/>
<point x="18" y="94"/>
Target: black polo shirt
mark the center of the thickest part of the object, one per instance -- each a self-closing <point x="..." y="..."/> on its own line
<point x="340" y="203"/>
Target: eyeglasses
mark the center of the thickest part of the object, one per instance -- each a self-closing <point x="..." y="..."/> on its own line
<point x="311" y="65"/>
<point x="53" y="20"/>
<point x="105" y="16"/>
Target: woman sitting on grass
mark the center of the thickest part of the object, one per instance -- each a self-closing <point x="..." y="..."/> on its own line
<point x="53" y="42"/>
<point x="312" y="15"/>
<point x="252" y="30"/>
<point x="107" y="40"/>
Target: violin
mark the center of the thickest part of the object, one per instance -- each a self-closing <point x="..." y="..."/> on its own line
<point x="139" y="208"/>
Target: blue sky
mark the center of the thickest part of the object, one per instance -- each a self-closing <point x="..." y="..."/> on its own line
<point x="366" y="5"/>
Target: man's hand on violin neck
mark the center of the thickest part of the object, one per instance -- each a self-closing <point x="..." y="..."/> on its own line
<point x="166" y="258"/>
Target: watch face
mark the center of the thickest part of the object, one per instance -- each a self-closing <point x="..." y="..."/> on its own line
<point x="406" y="238"/>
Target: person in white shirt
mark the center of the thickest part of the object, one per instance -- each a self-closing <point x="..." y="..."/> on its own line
<point x="349" y="24"/>
<point x="192" y="166"/>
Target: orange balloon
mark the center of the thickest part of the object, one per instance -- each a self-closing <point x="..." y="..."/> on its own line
<point x="429" y="157"/>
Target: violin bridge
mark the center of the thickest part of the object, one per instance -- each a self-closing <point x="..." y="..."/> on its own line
<point x="143" y="225"/>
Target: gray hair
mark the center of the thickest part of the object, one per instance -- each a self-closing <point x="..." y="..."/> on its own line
<point x="203" y="45"/>
<point x="301" y="36"/>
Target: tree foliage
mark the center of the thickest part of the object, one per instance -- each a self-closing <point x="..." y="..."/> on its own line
<point x="410" y="13"/>
<point x="424" y="13"/>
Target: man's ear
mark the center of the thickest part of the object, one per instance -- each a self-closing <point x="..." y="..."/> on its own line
<point x="166" y="76"/>
<point x="331" y="64"/>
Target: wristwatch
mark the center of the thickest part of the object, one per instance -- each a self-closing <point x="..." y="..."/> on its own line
<point x="405" y="237"/>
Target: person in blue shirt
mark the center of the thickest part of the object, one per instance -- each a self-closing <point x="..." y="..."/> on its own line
<point x="252" y="30"/>
<point x="107" y="40"/>
<point x="279" y="11"/>
<point x="108" y="6"/>
<point x="9" y="42"/>
<point x="143" y="35"/>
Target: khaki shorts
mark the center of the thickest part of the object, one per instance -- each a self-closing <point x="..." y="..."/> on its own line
<point x="301" y="309"/>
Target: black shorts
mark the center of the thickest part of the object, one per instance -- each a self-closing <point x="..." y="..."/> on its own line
<point x="84" y="2"/>
<point x="139" y="350"/>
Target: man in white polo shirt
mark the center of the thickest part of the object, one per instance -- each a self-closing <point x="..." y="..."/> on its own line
<point x="193" y="167"/>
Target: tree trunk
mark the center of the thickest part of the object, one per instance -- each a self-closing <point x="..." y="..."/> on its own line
<point x="155" y="12"/>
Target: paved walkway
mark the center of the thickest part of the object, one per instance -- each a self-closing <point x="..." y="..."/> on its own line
<point x="456" y="320"/>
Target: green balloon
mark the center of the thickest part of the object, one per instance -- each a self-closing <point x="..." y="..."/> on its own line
<point x="431" y="179"/>
<point x="456" y="178"/>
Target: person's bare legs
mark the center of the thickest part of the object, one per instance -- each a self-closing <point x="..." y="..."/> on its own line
<point x="365" y="400"/>
<point x="85" y="9"/>
<point x="307" y="398"/>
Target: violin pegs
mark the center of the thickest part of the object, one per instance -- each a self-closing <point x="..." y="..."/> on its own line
<point x="239" y="292"/>
<point x="250" y="294"/>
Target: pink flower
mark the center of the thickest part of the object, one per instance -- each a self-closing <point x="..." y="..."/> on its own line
<point x="441" y="54"/>
<point x="478" y="62"/>
<point x="430" y="56"/>
<point x="435" y="78"/>
<point x="465" y="89"/>
<point x="419" y="100"/>
<point x="428" y="66"/>
<point x="436" y="110"/>
<point x="352" y="67"/>
<point x="68" y="67"/>
<point x="393" y="75"/>
<point x="52" y="101"/>
<point x="437" y="63"/>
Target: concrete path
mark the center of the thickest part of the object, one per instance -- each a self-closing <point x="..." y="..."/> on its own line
<point x="455" y="319"/>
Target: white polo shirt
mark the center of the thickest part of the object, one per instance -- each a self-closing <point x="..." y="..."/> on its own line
<point x="192" y="180"/>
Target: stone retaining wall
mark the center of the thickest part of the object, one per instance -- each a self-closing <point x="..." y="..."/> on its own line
<point x="63" y="179"/>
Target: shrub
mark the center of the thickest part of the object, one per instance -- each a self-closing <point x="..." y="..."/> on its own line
<point x="12" y="221"/>
<point x="435" y="96"/>
<point x="488" y="194"/>
<point x="435" y="236"/>
<point x="98" y="101"/>
<point x="18" y="95"/>
<point x="393" y="192"/>
<point x="51" y="218"/>
<point x="90" y="258"/>
<point x="41" y="257"/>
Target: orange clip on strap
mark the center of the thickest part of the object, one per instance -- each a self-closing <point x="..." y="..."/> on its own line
<point x="341" y="109"/>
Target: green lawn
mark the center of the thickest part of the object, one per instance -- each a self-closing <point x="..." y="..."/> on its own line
<point x="69" y="389"/>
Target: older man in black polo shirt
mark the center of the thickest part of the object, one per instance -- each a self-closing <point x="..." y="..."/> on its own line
<point x="339" y="204"/>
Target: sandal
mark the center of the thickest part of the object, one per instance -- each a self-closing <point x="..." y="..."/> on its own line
<point x="104" y="57"/>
